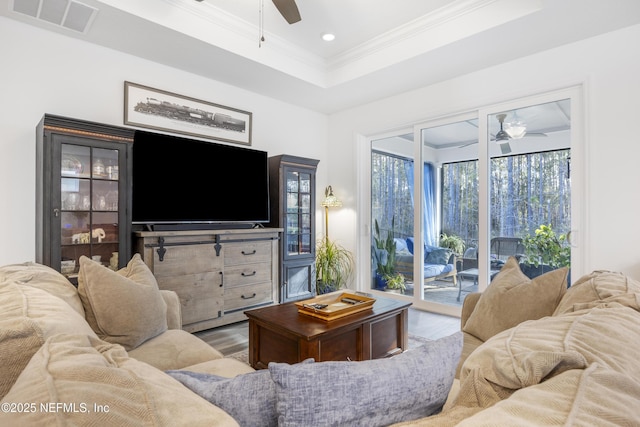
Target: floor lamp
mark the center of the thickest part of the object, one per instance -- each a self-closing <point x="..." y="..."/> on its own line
<point x="330" y="201"/>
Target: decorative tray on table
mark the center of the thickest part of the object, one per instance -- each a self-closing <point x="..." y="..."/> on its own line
<point x="335" y="305"/>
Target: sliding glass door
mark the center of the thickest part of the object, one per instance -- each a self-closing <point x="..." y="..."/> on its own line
<point x="489" y="185"/>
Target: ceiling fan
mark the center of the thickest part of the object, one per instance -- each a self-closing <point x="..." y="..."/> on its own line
<point x="515" y="130"/>
<point x="288" y="9"/>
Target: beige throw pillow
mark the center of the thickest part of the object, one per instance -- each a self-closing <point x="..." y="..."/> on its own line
<point x="513" y="298"/>
<point x="123" y="307"/>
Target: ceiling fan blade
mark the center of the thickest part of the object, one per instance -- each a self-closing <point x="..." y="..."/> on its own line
<point x="289" y="10"/>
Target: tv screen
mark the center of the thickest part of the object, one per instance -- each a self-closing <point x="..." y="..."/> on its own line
<point x="184" y="181"/>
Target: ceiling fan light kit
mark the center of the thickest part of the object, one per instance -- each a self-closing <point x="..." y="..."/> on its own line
<point x="516" y="129"/>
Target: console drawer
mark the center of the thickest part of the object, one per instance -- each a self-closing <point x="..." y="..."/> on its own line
<point x="247" y="274"/>
<point x="241" y="297"/>
<point x="247" y="252"/>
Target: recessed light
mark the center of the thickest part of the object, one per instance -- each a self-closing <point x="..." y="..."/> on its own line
<point x="328" y="37"/>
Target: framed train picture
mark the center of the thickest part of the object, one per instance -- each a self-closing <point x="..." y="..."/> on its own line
<point x="161" y="110"/>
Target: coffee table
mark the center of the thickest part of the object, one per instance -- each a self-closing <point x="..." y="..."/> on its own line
<point x="280" y="334"/>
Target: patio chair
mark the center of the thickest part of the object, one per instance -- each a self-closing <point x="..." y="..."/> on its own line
<point x="501" y="249"/>
<point x="504" y="247"/>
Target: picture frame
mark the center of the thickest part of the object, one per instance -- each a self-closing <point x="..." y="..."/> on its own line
<point x="157" y="109"/>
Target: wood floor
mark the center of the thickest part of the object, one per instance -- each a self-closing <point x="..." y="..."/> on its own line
<point x="233" y="338"/>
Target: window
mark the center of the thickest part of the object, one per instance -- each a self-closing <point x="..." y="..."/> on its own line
<point x="391" y="193"/>
<point x="527" y="191"/>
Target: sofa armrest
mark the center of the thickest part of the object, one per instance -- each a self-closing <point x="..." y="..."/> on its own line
<point x="468" y="305"/>
<point x="174" y="309"/>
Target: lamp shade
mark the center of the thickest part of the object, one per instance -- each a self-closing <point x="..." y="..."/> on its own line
<point x="330" y="201"/>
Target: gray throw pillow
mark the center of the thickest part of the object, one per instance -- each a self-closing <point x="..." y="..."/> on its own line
<point x="379" y="392"/>
<point x="249" y="398"/>
<point x="438" y="256"/>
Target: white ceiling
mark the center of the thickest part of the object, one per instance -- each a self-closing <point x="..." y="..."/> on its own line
<point x="382" y="47"/>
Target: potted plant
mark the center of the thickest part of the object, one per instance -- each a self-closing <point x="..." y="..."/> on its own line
<point x="334" y="265"/>
<point x="545" y="251"/>
<point x="395" y="283"/>
<point x="453" y="242"/>
<point x="384" y="253"/>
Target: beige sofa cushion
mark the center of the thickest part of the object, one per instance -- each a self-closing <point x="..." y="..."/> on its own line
<point x="174" y="349"/>
<point x="45" y="278"/>
<point x="598" y="287"/>
<point x="29" y="317"/>
<point x="535" y="351"/>
<point x="80" y="372"/>
<point x="225" y="367"/>
<point x="594" y="397"/>
<point x="123" y="307"/>
<point x="513" y="298"/>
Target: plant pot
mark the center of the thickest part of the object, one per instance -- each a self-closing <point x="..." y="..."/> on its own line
<point x="381" y="283"/>
<point x="531" y="271"/>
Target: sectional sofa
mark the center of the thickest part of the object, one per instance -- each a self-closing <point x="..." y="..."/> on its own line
<point x="111" y="352"/>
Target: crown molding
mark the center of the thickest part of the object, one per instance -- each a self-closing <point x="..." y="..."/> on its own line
<point x="216" y="27"/>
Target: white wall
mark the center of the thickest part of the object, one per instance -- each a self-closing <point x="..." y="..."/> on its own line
<point x="608" y="66"/>
<point x="43" y="72"/>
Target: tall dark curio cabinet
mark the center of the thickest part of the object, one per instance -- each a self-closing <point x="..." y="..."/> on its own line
<point x="83" y="193"/>
<point x="292" y="182"/>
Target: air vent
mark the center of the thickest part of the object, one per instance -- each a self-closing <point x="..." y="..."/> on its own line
<point x="64" y="13"/>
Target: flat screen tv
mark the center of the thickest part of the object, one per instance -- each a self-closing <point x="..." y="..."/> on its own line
<point x="187" y="182"/>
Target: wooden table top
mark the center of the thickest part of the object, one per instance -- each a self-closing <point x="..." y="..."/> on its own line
<point x="286" y="317"/>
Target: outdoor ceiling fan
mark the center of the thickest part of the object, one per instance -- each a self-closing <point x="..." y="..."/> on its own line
<point x="515" y="129"/>
<point x="288" y="9"/>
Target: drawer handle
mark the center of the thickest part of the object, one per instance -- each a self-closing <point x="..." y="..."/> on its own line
<point x="243" y="274"/>
<point x="249" y="253"/>
<point x="252" y="296"/>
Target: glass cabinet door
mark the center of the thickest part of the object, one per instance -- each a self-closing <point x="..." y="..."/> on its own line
<point x="89" y="206"/>
<point x="83" y="197"/>
<point x="298" y="213"/>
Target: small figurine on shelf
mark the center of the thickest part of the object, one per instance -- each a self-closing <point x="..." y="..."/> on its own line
<point x="79" y="238"/>
<point x="98" y="233"/>
<point x="113" y="262"/>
